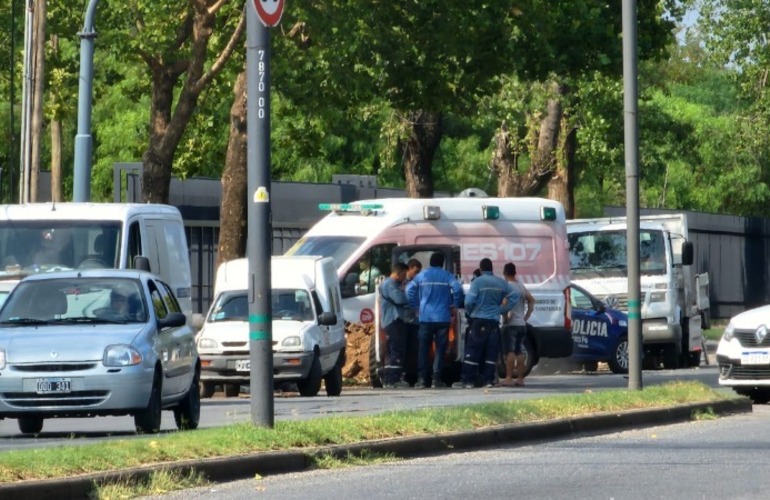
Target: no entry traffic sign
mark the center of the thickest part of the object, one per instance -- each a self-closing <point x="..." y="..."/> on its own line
<point x="269" y="11"/>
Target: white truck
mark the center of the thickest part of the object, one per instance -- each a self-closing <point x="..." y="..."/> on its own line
<point x="674" y="297"/>
<point x="307" y="325"/>
<point x="365" y="237"/>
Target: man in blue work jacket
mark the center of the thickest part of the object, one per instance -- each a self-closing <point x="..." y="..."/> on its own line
<point x="488" y="298"/>
<point x="434" y="293"/>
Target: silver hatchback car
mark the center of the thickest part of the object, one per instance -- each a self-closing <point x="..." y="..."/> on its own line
<point x="94" y="343"/>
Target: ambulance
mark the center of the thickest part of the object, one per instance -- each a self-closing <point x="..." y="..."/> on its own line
<point x="365" y="237"/>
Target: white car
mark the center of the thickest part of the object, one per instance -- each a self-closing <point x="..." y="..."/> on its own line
<point x="743" y="355"/>
<point x="93" y="343"/>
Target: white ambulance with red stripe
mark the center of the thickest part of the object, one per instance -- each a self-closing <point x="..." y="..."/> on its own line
<point x="364" y="237"/>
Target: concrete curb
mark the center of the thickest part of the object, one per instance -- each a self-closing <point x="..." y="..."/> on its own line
<point x="278" y="462"/>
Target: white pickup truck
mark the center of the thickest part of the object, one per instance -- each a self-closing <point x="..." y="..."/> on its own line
<point x="308" y="328"/>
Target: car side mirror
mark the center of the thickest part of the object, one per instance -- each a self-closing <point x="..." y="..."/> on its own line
<point x="688" y="253"/>
<point x="142" y="263"/>
<point x="327" y="319"/>
<point x="174" y="319"/>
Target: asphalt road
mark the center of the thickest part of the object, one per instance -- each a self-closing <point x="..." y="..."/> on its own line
<point x="699" y="460"/>
<point x="354" y="401"/>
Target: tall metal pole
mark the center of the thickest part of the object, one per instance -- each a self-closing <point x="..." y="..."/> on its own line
<point x="26" y="106"/>
<point x="631" y="139"/>
<point x="82" y="175"/>
<point x="12" y="100"/>
<point x="260" y="232"/>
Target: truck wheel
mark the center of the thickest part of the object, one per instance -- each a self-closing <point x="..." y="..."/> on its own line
<point x="232" y="390"/>
<point x="30" y="425"/>
<point x="333" y="379"/>
<point x="619" y="360"/>
<point x="374" y="365"/>
<point x="207" y="389"/>
<point x="693" y="359"/>
<point x="670" y="357"/>
<point x="312" y="384"/>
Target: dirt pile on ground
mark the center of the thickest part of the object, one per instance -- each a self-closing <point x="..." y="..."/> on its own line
<point x="357" y="353"/>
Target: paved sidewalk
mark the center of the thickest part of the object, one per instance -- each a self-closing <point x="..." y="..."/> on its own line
<point x="278" y="462"/>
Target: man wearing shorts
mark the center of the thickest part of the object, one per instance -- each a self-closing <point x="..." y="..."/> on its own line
<point x="515" y="329"/>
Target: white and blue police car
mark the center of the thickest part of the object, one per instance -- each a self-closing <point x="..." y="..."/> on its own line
<point x="599" y="333"/>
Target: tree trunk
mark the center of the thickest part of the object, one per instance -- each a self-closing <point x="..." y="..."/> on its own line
<point x="56" y="187"/>
<point x="232" y="213"/>
<point x="56" y="135"/>
<point x="424" y="138"/>
<point x="542" y="147"/>
<point x="38" y="71"/>
<point x="561" y="187"/>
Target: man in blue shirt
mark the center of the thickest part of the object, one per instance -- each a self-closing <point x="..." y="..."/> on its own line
<point x="394" y="311"/>
<point x="435" y="293"/>
<point x="489" y="296"/>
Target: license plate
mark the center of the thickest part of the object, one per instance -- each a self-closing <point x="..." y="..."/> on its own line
<point x="53" y="385"/>
<point x="243" y="365"/>
<point x="755" y="358"/>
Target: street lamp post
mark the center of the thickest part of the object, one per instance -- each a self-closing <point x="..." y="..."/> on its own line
<point x="83" y="159"/>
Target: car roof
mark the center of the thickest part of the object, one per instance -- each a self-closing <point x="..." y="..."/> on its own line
<point x="92" y="273"/>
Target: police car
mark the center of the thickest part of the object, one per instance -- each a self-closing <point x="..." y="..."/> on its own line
<point x="599" y="333"/>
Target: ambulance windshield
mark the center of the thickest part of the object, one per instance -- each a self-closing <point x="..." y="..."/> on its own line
<point x="339" y="248"/>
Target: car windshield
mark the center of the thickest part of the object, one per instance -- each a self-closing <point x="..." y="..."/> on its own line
<point x="230" y="306"/>
<point x="32" y="246"/>
<point x="71" y="300"/>
<point x="339" y="248"/>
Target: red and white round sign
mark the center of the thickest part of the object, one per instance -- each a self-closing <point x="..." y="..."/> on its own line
<point x="366" y="316"/>
<point x="269" y="11"/>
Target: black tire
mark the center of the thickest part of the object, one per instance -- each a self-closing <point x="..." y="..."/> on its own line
<point x="207" y="389"/>
<point x="619" y="359"/>
<point x="232" y="390"/>
<point x="530" y="357"/>
<point x="374" y="365"/>
<point x="310" y="385"/>
<point x="758" y="396"/>
<point x="187" y="414"/>
<point x="591" y="366"/>
<point x="670" y="357"/>
<point x="147" y="420"/>
<point x="31" y="425"/>
<point x="693" y="359"/>
<point x="333" y="379"/>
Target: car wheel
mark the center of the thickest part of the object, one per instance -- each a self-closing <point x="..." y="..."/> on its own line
<point x="333" y="379"/>
<point x="232" y="390"/>
<point x="30" y="425"/>
<point x="670" y="357"/>
<point x="207" y="389"/>
<point x="147" y="421"/>
<point x="188" y="413"/>
<point x="374" y="365"/>
<point x="693" y="359"/>
<point x="312" y="384"/>
<point x="757" y="396"/>
<point x="619" y="360"/>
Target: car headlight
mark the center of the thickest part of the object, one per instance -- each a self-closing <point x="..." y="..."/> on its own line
<point x="658" y="297"/>
<point x="207" y="343"/>
<point x="728" y="333"/>
<point x="121" y="355"/>
<point x="2" y="359"/>
<point x="292" y="341"/>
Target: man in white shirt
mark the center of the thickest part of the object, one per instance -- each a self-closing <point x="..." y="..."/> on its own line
<point x="515" y="329"/>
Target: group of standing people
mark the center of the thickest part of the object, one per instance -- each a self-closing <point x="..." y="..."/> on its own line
<point x="424" y="302"/>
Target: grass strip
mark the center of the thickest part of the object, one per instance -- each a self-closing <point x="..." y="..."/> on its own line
<point x="243" y="438"/>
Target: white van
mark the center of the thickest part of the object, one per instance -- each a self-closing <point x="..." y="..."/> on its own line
<point x="308" y="327"/>
<point x="364" y="237"/>
<point x="40" y="237"/>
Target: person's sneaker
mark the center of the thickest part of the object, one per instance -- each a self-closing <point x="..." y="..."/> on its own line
<point x="437" y="384"/>
<point x="462" y="385"/>
<point x="489" y="386"/>
<point x="401" y="384"/>
<point x="421" y="385"/>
